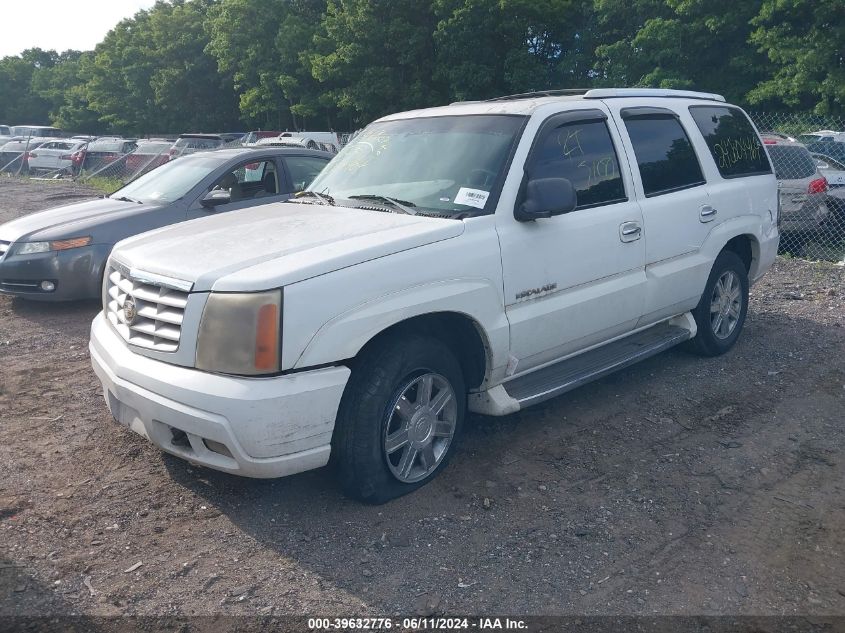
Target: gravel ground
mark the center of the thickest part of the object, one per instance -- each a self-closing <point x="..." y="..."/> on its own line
<point x="679" y="486"/>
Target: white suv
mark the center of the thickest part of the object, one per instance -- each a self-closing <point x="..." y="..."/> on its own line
<point x="482" y="256"/>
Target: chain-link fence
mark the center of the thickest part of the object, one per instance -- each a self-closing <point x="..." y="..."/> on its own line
<point x="807" y="153"/>
<point x="122" y="160"/>
<point x="808" y="157"/>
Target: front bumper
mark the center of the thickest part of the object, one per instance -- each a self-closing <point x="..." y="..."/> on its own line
<point x="256" y="427"/>
<point x="76" y="272"/>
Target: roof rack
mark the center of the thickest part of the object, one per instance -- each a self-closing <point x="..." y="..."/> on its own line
<point x="609" y="93"/>
<point x="562" y="92"/>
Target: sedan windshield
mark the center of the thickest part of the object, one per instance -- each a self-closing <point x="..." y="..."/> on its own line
<point x="450" y="164"/>
<point x="169" y="182"/>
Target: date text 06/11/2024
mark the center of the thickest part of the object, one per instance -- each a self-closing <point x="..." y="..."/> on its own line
<point x="416" y="624"/>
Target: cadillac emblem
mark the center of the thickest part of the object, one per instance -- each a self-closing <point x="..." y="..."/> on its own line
<point x="129" y="311"/>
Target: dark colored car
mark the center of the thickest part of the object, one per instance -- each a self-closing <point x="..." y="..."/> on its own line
<point x="60" y="254"/>
<point x="102" y="153"/>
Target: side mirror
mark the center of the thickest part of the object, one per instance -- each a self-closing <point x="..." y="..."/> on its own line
<point x="215" y="198"/>
<point x="545" y="197"/>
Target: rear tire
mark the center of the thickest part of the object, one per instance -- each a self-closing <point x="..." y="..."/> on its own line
<point x="399" y="419"/>
<point x="720" y="314"/>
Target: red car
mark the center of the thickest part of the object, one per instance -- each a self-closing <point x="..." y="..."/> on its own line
<point x="148" y="155"/>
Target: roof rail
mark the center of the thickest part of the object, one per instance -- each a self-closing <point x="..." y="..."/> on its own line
<point x="609" y="93"/>
<point x="561" y="92"/>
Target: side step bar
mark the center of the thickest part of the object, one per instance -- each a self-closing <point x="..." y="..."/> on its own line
<point x="573" y="372"/>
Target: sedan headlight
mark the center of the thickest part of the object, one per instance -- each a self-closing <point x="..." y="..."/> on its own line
<point x="29" y="248"/>
<point x="240" y="333"/>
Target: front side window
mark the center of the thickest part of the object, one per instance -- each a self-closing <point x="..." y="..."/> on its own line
<point x="665" y="156"/>
<point x="732" y="140"/>
<point x="303" y="170"/>
<point x="583" y="153"/>
<point x="452" y="165"/>
<point x="249" y="180"/>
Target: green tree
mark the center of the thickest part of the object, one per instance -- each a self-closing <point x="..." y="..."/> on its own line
<point x="151" y="74"/>
<point x="19" y="104"/>
<point x="487" y="48"/>
<point x="265" y="45"/>
<point x="374" y="57"/>
<point x="694" y="44"/>
<point x="805" y="41"/>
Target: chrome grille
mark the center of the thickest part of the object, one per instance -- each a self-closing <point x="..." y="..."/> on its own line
<point x="158" y="311"/>
<point x="4" y="246"/>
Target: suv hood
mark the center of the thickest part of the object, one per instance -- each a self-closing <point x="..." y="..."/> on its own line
<point x="276" y="244"/>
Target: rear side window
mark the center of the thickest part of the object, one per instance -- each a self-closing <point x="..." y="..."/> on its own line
<point x="732" y="140"/>
<point x="665" y="156"/>
<point x="792" y="162"/>
<point x="583" y="153"/>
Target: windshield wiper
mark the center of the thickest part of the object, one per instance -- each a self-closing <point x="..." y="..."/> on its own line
<point x="128" y="199"/>
<point x="403" y="205"/>
<point x="322" y="197"/>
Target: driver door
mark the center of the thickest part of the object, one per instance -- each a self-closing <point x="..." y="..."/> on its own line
<point x="247" y="184"/>
<point x="578" y="279"/>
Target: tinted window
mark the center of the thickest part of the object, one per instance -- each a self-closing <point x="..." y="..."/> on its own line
<point x="664" y="154"/>
<point x="303" y="170"/>
<point x="792" y="162"/>
<point x="583" y="153"/>
<point x="732" y="141"/>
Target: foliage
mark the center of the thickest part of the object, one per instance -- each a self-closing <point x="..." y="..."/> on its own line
<point x="206" y="65"/>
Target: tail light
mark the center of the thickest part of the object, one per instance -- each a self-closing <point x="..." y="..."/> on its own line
<point x="819" y="185"/>
<point x="28" y="155"/>
<point x="77" y="157"/>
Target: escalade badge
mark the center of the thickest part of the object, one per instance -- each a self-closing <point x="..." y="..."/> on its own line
<point x="129" y="311"/>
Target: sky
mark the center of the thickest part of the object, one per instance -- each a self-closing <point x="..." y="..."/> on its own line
<point x="61" y="24"/>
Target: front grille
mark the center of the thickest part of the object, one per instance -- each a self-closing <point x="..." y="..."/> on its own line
<point x="4" y="246"/>
<point x="155" y="322"/>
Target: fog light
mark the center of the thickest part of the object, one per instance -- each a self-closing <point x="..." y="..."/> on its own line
<point x="48" y="286"/>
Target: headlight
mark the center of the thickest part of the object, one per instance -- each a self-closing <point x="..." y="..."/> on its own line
<point x="28" y="248"/>
<point x="240" y="333"/>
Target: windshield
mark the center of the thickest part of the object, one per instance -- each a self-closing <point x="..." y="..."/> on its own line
<point x="448" y="164"/>
<point x="169" y="182"/>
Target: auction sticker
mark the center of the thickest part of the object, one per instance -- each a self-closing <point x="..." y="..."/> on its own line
<point x="472" y="197"/>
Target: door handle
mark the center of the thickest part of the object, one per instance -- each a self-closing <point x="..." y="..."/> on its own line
<point x="707" y="213"/>
<point x="630" y="231"/>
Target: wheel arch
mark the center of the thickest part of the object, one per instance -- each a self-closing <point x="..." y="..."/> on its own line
<point x="458" y="330"/>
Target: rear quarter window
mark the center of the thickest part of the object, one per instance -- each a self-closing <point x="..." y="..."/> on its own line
<point x="732" y="141"/>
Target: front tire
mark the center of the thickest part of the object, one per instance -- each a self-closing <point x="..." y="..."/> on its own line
<point x="400" y="417"/>
<point x="721" y="312"/>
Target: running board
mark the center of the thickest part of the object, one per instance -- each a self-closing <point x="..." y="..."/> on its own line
<point x="573" y="372"/>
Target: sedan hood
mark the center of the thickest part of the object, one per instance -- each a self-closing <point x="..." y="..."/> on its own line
<point x="72" y="220"/>
<point x="276" y="244"/>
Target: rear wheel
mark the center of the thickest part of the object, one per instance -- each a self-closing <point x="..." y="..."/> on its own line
<point x="721" y="312"/>
<point x="399" y="419"/>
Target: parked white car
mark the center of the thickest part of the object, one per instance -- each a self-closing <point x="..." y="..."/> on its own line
<point x="482" y="256"/>
<point x="54" y="156"/>
<point x="324" y="141"/>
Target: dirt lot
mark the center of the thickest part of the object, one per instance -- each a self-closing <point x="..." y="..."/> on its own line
<point x="679" y="486"/>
